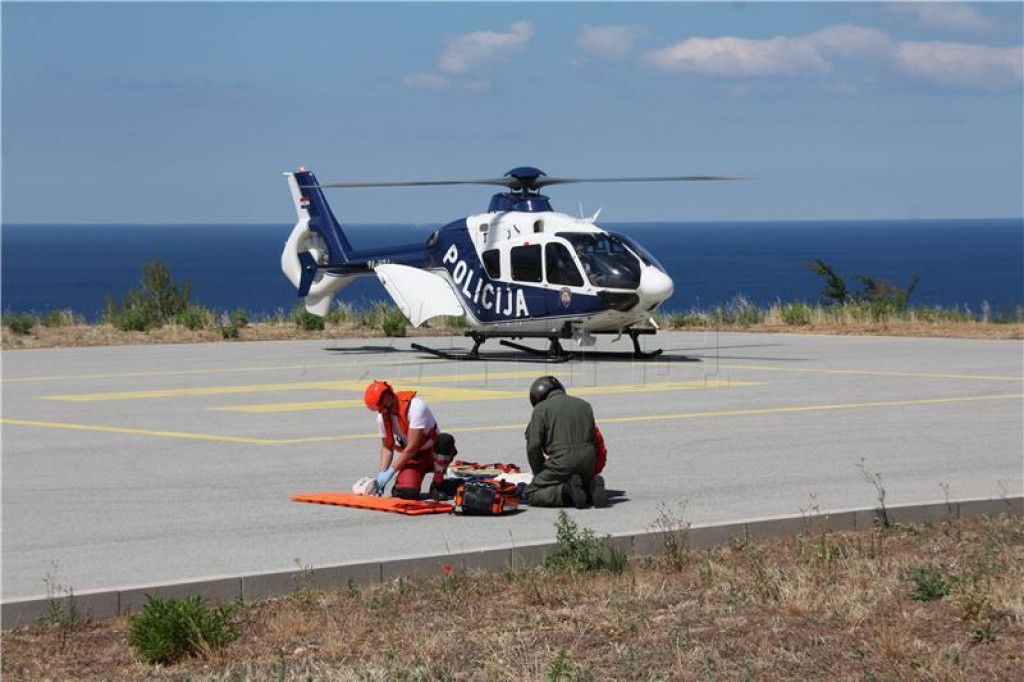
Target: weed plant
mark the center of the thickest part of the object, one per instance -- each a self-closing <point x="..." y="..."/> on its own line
<point x="581" y="551"/>
<point x="167" y="631"/>
<point x="931" y="582"/>
<point x="62" y="609"/>
<point x="306" y="320"/>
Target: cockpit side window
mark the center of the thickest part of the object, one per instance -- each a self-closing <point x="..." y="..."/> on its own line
<point x="492" y="262"/>
<point x="561" y="267"/>
<point x="606" y="260"/>
<point x="526" y="266"/>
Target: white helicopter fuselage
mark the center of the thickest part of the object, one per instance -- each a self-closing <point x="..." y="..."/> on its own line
<point x="536" y="272"/>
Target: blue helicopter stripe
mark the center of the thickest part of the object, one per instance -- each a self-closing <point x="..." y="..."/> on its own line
<point x="490" y="300"/>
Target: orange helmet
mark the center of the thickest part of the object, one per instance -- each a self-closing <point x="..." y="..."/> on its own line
<point x="374" y="392"/>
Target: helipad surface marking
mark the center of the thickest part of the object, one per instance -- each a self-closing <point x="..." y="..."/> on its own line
<point x="139" y="432"/>
<point x="499" y="427"/>
<point x="438" y="394"/>
<point x="328" y="385"/>
<point x="219" y="370"/>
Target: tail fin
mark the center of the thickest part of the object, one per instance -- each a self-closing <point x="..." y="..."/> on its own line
<point x="311" y="205"/>
<point x="316" y="241"/>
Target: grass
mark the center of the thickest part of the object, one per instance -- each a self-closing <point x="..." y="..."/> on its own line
<point x="198" y="324"/>
<point x="781" y="610"/>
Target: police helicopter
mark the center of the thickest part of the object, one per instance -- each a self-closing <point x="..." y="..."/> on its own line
<point x="519" y="270"/>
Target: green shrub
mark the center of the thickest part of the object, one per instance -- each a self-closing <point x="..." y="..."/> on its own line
<point x="393" y="323"/>
<point x="20" y="323"/>
<point x="228" y="330"/>
<point x="194" y="317"/>
<point x="131" y="318"/>
<point x="306" y="320"/>
<point x="580" y="551"/>
<point x="343" y="312"/>
<point x="154" y="302"/>
<point x="167" y="631"/>
<point x="796" y="314"/>
<point x="743" y="312"/>
<point x="693" y="318"/>
<point x="61" y="317"/>
<point x="240" y="318"/>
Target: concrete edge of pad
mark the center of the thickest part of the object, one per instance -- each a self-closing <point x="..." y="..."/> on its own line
<point x="101" y="604"/>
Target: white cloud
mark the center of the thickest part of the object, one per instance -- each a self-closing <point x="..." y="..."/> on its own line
<point x="613" y="42"/>
<point x="469" y="52"/>
<point x="740" y="57"/>
<point x="847" y="39"/>
<point x="950" y="64"/>
<point x="962" y="65"/>
<point x="945" y="15"/>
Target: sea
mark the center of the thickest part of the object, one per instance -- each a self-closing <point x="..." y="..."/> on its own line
<point x="963" y="264"/>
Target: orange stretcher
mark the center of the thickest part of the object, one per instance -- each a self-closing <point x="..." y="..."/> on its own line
<point x="388" y="504"/>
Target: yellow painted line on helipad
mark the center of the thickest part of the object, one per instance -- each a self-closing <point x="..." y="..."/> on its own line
<point x="212" y="390"/>
<point x="351" y="364"/>
<point x="143" y="432"/>
<point x="358" y="385"/>
<point x="445" y="394"/>
<point x="877" y="373"/>
<point x="518" y="425"/>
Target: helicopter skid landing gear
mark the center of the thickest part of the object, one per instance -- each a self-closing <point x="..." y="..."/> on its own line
<point x="555" y="352"/>
<point x="634" y="335"/>
<point x="473" y="354"/>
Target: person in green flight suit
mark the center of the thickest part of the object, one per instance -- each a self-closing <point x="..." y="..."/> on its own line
<point x="561" y="444"/>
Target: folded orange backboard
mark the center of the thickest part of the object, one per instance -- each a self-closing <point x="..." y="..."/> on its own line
<point x="388" y="504"/>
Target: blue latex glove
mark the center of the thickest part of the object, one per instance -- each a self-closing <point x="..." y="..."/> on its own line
<point x="383" y="478"/>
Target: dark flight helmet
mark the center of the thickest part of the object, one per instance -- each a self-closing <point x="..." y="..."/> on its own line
<point x="542" y="386"/>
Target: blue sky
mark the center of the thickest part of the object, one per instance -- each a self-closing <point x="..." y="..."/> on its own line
<point x="162" y="113"/>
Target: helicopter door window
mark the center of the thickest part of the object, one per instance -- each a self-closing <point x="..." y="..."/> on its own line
<point x="492" y="262"/>
<point x="561" y="267"/>
<point x="526" y="263"/>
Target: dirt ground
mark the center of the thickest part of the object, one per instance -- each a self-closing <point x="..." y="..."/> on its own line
<point x="933" y="602"/>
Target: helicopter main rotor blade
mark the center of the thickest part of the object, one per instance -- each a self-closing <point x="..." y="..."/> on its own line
<point x="523" y="183"/>
<point x="504" y="182"/>
<point x="541" y="182"/>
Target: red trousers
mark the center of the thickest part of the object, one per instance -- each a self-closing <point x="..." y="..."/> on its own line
<point x="410" y="476"/>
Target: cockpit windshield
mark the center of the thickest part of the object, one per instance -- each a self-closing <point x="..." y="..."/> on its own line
<point x="644" y="254"/>
<point x="606" y="260"/>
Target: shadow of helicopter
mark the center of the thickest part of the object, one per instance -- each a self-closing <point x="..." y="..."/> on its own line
<point x="359" y="350"/>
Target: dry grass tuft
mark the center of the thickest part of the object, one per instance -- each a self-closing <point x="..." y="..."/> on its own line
<point x="820" y="606"/>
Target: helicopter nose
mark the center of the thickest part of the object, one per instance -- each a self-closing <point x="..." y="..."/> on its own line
<point x="655" y="287"/>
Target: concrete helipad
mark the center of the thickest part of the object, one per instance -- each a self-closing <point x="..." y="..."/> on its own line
<point x="148" y="464"/>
